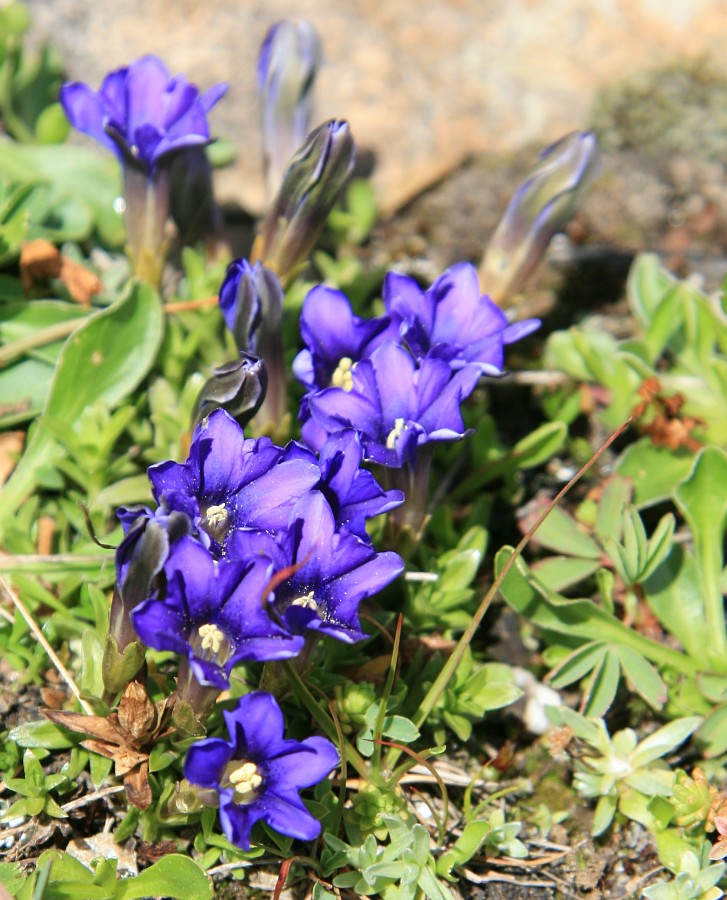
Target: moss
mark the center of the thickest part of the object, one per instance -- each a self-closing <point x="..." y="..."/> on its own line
<point x="681" y="108"/>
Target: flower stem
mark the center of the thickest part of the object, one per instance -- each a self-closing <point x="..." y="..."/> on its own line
<point x="324" y="721"/>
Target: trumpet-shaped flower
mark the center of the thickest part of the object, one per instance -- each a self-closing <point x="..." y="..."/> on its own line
<point x="212" y="612"/>
<point x="257" y="774"/>
<point x="328" y="572"/>
<point x="141" y="113"/>
<point x="334" y="339"/>
<point x="451" y="321"/>
<point x="230" y="481"/>
<point x="395" y="406"/>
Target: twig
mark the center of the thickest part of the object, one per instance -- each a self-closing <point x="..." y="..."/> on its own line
<point x="40" y="637"/>
<point x="92" y="798"/>
<point x="186" y="305"/>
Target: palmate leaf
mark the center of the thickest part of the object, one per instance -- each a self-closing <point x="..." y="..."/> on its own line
<point x="607" y="663"/>
<point x="609" y="649"/>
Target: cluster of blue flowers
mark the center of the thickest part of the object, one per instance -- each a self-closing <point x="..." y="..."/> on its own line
<point x="262" y="549"/>
<point x="254" y="551"/>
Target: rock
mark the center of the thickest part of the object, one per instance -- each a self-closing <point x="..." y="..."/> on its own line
<point x="424" y="87"/>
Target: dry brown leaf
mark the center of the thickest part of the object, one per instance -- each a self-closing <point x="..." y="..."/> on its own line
<point x="138" y="789"/>
<point x="136" y="711"/>
<point x="41" y="260"/>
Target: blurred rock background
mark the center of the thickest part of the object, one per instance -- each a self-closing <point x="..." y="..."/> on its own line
<point x="425" y="86"/>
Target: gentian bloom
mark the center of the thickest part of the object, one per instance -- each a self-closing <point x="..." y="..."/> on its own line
<point x="212" y="613"/>
<point x="145" y="117"/>
<point x="330" y="573"/>
<point x="311" y="185"/>
<point x="395" y="406"/>
<point x="334" y="339"/>
<point x="539" y="208"/>
<point x="229" y="481"/>
<point x="251" y="301"/>
<point x="289" y="60"/>
<point x="399" y="410"/>
<point x="257" y="774"/>
<point x="451" y="321"/>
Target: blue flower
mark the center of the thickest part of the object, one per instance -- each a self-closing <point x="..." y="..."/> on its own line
<point x="257" y="774"/>
<point x="322" y="575"/>
<point x="353" y="493"/>
<point x="230" y="481"/>
<point x="395" y="406"/>
<point x="213" y="613"/>
<point x="334" y="339"/>
<point x="451" y="321"/>
<point x="141" y="113"/>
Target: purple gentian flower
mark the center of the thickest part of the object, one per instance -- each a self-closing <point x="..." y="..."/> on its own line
<point x="257" y="774"/>
<point x="395" y="406"/>
<point x="141" y="113"/>
<point x="145" y="117"/>
<point x="289" y="60"/>
<point x="230" y="481"/>
<point x="451" y="321"/>
<point x="330" y="572"/>
<point x="353" y="493"/>
<point x="335" y="339"/>
<point x="213" y="613"/>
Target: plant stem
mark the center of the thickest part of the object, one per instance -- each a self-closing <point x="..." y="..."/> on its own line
<point x="450" y="667"/>
<point x="39" y="339"/>
<point x="326" y="724"/>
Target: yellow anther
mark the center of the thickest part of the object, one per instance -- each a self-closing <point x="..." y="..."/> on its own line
<point x="399" y="425"/>
<point x="246" y="779"/>
<point x="212" y="637"/>
<point x="216" y="515"/>
<point x="342" y="377"/>
<point x="307" y="601"/>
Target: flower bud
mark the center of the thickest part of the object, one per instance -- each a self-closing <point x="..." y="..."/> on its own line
<point x="311" y="185"/>
<point x="238" y="387"/>
<point x="539" y="208"/>
<point x="251" y="301"/>
<point x="191" y="195"/>
<point x="287" y="66"/>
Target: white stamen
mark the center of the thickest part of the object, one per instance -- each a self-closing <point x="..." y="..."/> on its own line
<point x="307" y="601"/>
<point x="212" y="637"/>
<point x="246" y="779"/>
<point x="399" y="426"/>
<point x="217" y="515"/>
<point x="342" y="377"/>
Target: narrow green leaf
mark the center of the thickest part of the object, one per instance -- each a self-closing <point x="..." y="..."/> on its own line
<point x="653" y="470"/>
<point x="577" y="665"/>
<point x="43" y="735"/>
<point x="664" y="740"/>
<point x="602" y="685"/>
<point x="642" y="677"/>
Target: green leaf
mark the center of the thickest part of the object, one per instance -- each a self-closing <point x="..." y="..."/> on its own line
<point x="642" y="677"/>
<point x="664" y="740"/>
<point x="603" y="816"/>
<point x="712" y="733"/>
<point x="561" y="532"/>
<point x="104" y="360"/>
<point x="561" y="572"/>
<point x="77" y="182"/>
<point x="42" y="734"/>
<point x="602" y="685"/>
<point x="578" y="664"/>
<point x="704" y="506"/>
<point x="614" y="499"/>
<point x="174" y="876"/>
<point x="653" y="470"/>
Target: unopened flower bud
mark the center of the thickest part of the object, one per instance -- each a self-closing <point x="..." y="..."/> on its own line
<point x="311" y="185"/>
<point x="192" y="198"/>
<point x="238" y="387"/>
<point x="539" y="208"/>
<point x="289" y="60"/>
<point x="251" y="301"/>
